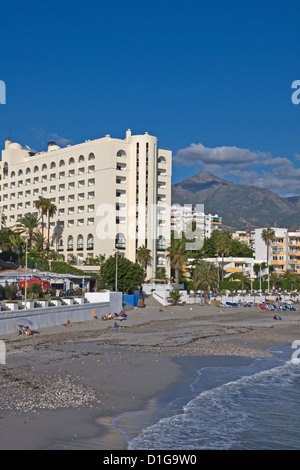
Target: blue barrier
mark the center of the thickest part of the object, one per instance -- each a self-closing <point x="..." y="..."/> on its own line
<point x="131" y="299"/>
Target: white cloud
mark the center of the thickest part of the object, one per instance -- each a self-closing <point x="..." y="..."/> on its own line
<point x="198" y="154"/>
<point x="261" y="169"/>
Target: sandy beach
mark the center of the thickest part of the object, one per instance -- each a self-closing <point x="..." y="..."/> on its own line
<point x="62" y="387"/>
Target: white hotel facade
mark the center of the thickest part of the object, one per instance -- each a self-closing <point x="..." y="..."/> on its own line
<point x="111" y="194"/>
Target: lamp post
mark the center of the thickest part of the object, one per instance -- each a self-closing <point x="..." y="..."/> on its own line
<point x="217" y="264"/>
<point x="26" y="257"/>
<point x="116" y="283"/>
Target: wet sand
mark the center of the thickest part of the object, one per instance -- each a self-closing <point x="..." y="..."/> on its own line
<point x="61" y="387"/>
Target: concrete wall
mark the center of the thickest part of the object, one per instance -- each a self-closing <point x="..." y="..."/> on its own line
<point x="52" y="316"/>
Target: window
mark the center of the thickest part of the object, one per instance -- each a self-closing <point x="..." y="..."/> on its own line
<point x="61" y="199"/>
<point x="44" y="167"/>
<point x="81" y="158"/>
<point x="120" y="241"/>
<point x="70" y="243"/>
<point x="91" y="156"/>
<point x="71" y="210"/>
<point x="91" y="195"/>
<point x="121" y="153"/>
<point x="90" y="242"/>
<point x="71" y="161"/>
<point x="160" y="243"/>
<point x="61" y="163"/>
<point x="28" y="171"/>
<point x="80" y="243"/>
<point x="53" y="165"/>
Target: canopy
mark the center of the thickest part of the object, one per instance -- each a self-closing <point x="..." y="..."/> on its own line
<point x="45" y="284"/>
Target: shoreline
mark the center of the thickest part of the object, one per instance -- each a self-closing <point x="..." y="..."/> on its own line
<point x="103" y="374"/>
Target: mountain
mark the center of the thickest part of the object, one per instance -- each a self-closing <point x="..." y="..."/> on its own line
<point x="241" y="207"/>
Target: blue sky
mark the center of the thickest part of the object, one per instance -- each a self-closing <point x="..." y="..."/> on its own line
<point x="212" y="80"/>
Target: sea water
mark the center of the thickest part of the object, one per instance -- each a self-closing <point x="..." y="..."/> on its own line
<point x="255" y="406"/>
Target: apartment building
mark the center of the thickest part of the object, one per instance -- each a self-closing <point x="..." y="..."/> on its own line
<point x="193" y="221"/>
<point x="284" y="249"/>
<point x="111" y="195"/>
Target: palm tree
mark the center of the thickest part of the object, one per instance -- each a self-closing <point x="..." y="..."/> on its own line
<point x="51" y="210"/>
<point x="267" y="236"/>
<point x="143" y="256"/>
<point x="205" y="274"/>
<point x="42" y="205"/>
<point x="177" y="256"/>
<point x="290" y="276"/>
<point x="222" y="245"/>
<point x="29" y="223"/>
<point x="17" y="243"/>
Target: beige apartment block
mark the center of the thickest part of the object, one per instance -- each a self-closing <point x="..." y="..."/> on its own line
<point x="111" y="194"/>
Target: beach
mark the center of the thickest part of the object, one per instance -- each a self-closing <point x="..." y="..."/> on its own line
<point x="62" y="387"/>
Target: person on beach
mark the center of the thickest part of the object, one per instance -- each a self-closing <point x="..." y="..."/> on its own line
<point x="68" y="323"/>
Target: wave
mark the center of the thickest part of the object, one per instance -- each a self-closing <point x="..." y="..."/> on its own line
<point x="249" y="411"/>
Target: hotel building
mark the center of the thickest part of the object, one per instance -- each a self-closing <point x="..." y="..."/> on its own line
<point x="189" y="219"/>
<point x="284" y="249"/>
<point x="111" y="194"/>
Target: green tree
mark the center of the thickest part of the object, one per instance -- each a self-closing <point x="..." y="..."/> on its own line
<point x="51" y="211"/>
<point x="205" y="275"/>
<point x="130" y="275"/>
<point x="28" y="224"/>
<point x="176" y="253"/>
<point x="175" y="296"/>
<point x="267" y="236"/>
<point x="17" y="244"/>
<point x="143" y="256"/>
<point x="223" y="244"/>
<point x="42" y="205"/>
<point x="161" y="274"/>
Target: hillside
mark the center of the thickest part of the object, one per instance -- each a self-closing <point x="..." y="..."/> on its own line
<point x="241" y="207"/>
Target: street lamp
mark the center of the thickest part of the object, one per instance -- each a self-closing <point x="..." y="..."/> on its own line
<point x="26" y="256"/>
<point x="217" y="263"/>
<point x="116" y="283"/>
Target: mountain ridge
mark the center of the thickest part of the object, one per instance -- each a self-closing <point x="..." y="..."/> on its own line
<point x="242" y="207"/>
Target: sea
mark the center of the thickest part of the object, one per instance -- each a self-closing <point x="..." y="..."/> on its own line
<point x="237" y="405"/>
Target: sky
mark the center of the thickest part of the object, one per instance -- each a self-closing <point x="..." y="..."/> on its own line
<point x="211" y="79"/>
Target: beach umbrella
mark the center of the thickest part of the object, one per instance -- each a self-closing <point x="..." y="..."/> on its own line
<point x="24" y="321"/>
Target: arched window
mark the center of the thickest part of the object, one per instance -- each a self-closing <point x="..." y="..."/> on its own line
<point x="160" y="243"/>
<point x="161" y="160"/>
<point x="20" y="172"/>
<point x="53" y="165"/>
<point x="36" y="169"/>
<point x="62" y="163"/>
<point x="81" y="159"/>
<point x="5" y="169"/>
<point x="28" y="170"/>
<point x="90" y="242"/>
<point x="12" y="174"/>
<point x="91" y="156"/>
<point x="71" y="161"/>
<point x="80" y="242"/>
<point x="120" y="241"/>
<point x="121" y="153"/>
<point x="44" y="167"/>
<point x="70" y="244"/>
